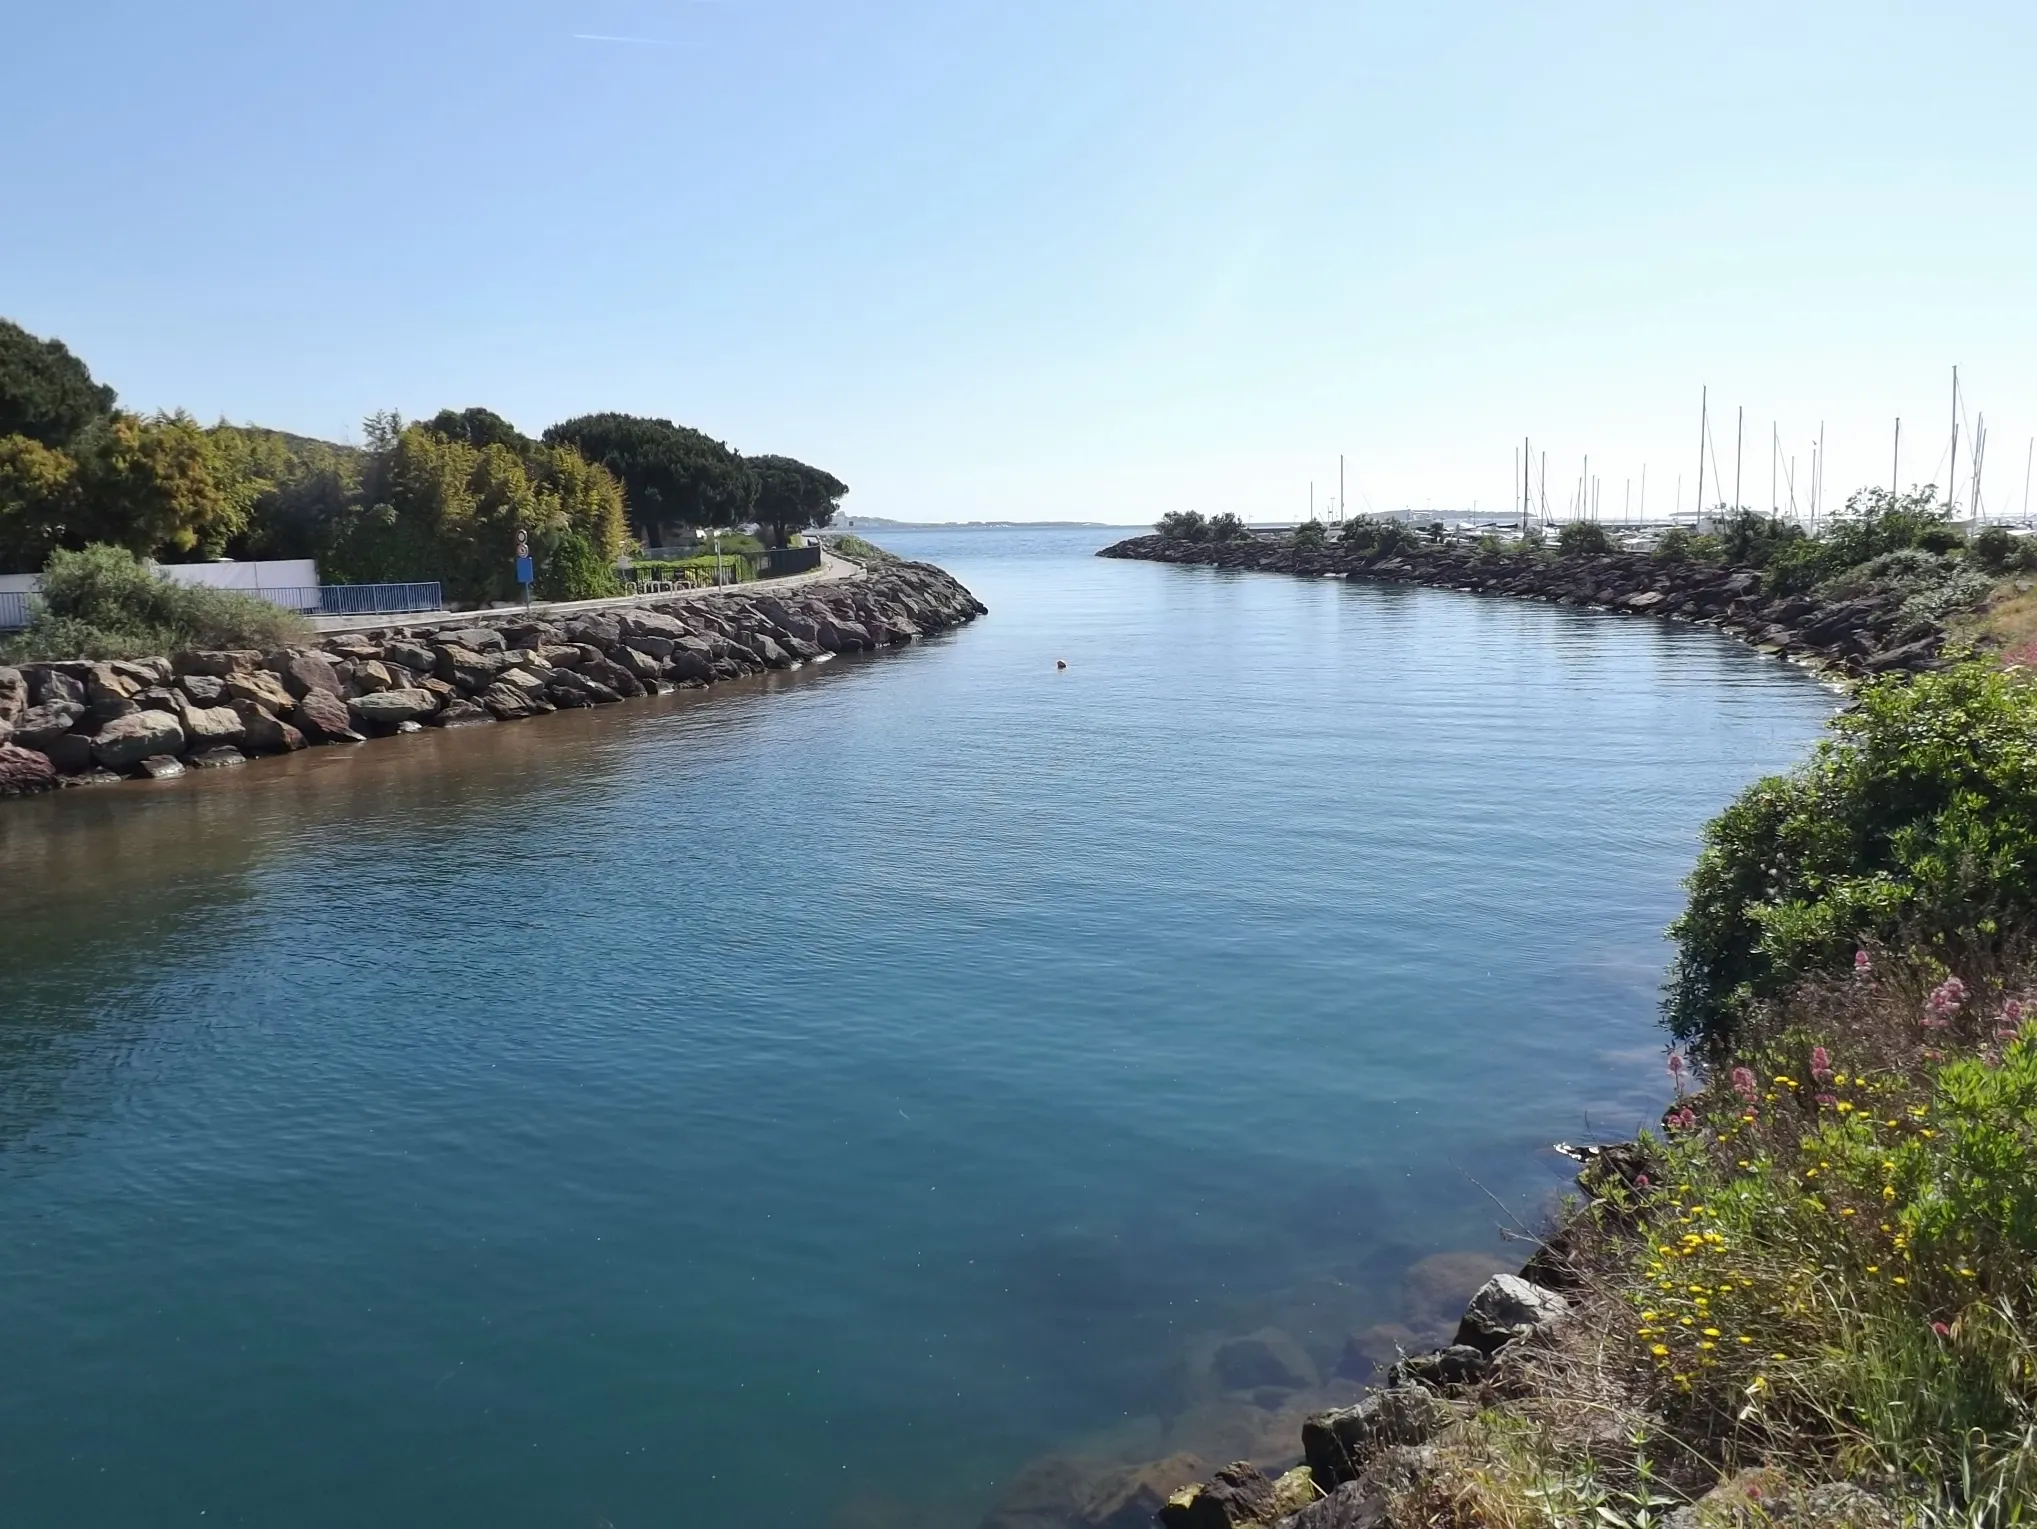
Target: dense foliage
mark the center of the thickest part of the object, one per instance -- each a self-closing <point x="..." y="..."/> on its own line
<point x="46" y="393"/>
<point x="670" y="474"/>
<point x="104" y="602"/>
<point x="1193" y="526"/>
<point x="1583" y="536"/>
<point x="1916" y="822"/>
<point x="791" y="496"/>
<point x="1311" y="536"/>
<point x="1378" y="537"/>
<point x="441" y="501"/>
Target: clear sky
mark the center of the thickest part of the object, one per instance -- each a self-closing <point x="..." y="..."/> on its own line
<point x="1060" y="259"/>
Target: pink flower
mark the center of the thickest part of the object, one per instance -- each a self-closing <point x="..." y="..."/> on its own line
<point x="1946" y="1000"/>
<point x="2012" y="1011"/>
<point x="1744" y="1084"/>
<point x="1678" y="1066"/>
<point x="1640" y="1181"/>
<point x="1863" y="964"/>
<point x="1828" y="1098"/>
<point x="1684" y="1119"/>
<point x="1821" y="1064"/>
<point x="1941" y="1329"/>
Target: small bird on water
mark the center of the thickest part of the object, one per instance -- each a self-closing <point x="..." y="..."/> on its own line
<point x="1060" y="663"/>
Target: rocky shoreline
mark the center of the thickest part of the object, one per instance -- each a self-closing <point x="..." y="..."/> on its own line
<point x="1331" y="1454"/>
<point x="1859" y="637"/>
<point x="82" y="722"/>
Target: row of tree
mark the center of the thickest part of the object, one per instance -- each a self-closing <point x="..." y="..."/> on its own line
<point x="442" y="499"/>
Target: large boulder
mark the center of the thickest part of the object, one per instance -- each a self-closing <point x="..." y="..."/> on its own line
<point x="1508" y="1307"/>
<point x="414" y="656"/>
<point x="24" y="772"/>
<point x="205" y="689"/>
<point x="218" y="664"/>
<point x="511" y="703"/>
<point x="47" y="684"/>
<point x="40" y="726"/>
<point x="388" y="709"/>
<point x="266" y="732"/>
<point x="259" y="687"/>
<point x="467" y="668"/>
<point x="1131" y="1499"/>
<point x="371" y="675"/>
<point x="305" y="669"/>
<point x="1339" y="1443"/>
<point x="207" y="727"/>
<point x="126" y="741"/>
<point x="1351" y="1506"/>
<point x="319" y="714"/>
<point x="1239" y="1495"/>
<point x="480" y="639"/>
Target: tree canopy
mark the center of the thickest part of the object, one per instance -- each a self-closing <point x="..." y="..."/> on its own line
<point x="669" y="474"/>
<point x="478" y="427"/>
<point x="46" y="393"/>
<point x="791" y="496"/>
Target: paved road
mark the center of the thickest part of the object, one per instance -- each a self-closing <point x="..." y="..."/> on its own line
<point x="833" y="566"/>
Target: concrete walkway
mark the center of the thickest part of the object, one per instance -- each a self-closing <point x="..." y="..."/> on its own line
<point x="833" y="566"/>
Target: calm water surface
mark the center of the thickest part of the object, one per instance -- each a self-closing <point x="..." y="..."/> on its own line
<point x="801" y="1104"/>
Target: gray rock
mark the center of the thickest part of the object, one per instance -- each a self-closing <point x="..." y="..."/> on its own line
<point x="220" y="758"/>
<point x="414" y="656"/>
<point x="1450" y="1369"/>
<point x="389" y="708"/>
<point x="303" y="670"/>
<point x="105" y="685"/>
<point x="687" y="667"/>
<point x="208" y="727"/>
<point x="650" y="644"/>
<point x="1238" y="1495"/>
<point x="205" y="689"/>
<point x="40" y="726"/>
<point x="13" y="694"/>
<point x="160" y="767"/>
<point x="25" y="772"/>
<point x="1508" y="1307"/>
<point x="1338" y="1443"/>
<point x="126" y="741"/>
<point x="1349" y="1507"/>
<point x="510" y="703"/>
<point x="480" y="639"/>
<point x="371" y="675"/>
<point x="48" y="687"/>
<point x="218" y="664"/>
<point x="144" y="671"/>
<point x="266" y="732"/>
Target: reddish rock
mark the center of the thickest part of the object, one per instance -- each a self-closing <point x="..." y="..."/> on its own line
<point x="23" y="772"/>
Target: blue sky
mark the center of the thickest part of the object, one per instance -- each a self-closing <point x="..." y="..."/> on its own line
<point x="1056" y="260"/>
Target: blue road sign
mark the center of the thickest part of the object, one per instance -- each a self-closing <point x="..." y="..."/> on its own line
<point x="525" y="574"/>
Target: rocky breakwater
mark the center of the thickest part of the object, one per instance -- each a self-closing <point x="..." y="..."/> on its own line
<point x="1868" y="635"/>
<point x="83" y="722"/>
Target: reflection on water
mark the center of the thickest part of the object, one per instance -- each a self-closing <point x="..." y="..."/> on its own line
<point x="813" y="1100"/>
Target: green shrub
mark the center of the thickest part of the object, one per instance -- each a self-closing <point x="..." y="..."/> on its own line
<point x="1583" y="536"/>
<point x="2000" y="550"/>
<point x="1673" y="546"/>
<point x="862" y="551"/>
<point x="1183" y="526"/>
<point x="1749" y="537"/>
<point x="1310" y="536"/>
<point x="1379" y="537"/>
<point x="1916" y="820"/>
<point x="1227" y="527"/>
<point x="104" y="602"/>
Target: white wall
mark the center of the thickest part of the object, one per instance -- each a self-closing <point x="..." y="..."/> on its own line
<point x="291" y="573"/>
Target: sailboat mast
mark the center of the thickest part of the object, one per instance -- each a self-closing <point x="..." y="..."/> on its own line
<point x="1952" y="454"/>
<point x="1704" y="420"/>
<point x="1739" y="441"/>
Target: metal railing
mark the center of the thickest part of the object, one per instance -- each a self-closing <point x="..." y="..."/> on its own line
<point x="17" y="608"/>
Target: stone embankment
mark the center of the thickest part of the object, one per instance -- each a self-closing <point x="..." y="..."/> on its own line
<point x="1868" y="635"/>
<point x="81" y="722"/>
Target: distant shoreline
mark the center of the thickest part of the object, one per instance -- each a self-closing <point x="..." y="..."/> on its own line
<point x="878" y="523"/>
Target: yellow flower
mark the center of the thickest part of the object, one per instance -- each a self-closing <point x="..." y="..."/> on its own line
<point x="1900" y="1280"/>
<point x="1966" y="1274"/>
<point x="1745" y="1339"/>
<point x="1711" y="1332"/>
<point x="1659" y="1350"/>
